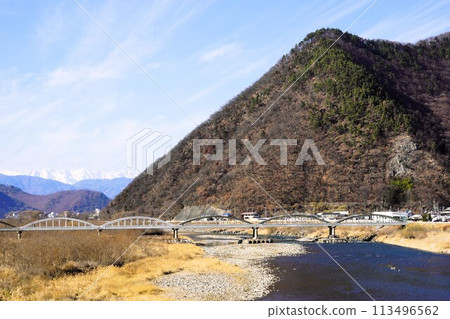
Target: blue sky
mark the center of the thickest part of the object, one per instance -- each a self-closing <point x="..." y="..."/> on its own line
<point x="70" y="98"/>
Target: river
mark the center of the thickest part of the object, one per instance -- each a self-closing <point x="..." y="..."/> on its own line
<point x="386" y="272"/>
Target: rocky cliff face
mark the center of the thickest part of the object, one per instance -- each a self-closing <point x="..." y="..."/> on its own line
<point x="377" y="111"/>
<point x="404" y="152"/>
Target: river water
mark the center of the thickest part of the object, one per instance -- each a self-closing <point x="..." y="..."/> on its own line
<point x="386" y="272"/>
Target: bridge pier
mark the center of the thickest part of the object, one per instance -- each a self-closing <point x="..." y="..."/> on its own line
<point x="19" y="234"/>
<point x="255" y="232"/>
<point x="175" y="234"/>
<point x="331" y="231"/>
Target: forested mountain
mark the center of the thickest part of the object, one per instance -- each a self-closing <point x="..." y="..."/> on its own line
<point x="13" y="199"/>
<point x="378" y="112"/>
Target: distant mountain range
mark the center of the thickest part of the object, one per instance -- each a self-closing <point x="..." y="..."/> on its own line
<point x="43" y="186"/>
<point x="35" y="185"/>
<point x="72" y="177"/>
<point x="14" y="199"/>
<point x="109" y="187"/>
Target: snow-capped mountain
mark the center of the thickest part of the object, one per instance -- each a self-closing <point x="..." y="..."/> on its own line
<point x="72" y="177"/>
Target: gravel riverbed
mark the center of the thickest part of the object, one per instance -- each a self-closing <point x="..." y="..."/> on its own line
<point x="253" y="283"/>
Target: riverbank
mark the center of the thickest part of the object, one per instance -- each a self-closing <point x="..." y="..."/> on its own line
<point x="432" y="237"/>
<point x="252" y="282"/>
<point x="424" y="236"/>
<point x="152" y="269"/>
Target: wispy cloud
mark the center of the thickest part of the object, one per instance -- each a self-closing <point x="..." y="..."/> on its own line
<point x="344" y="9"/>
<point x="223" y="50"/>
<point x="84" y="101"/>
<point x="66" y="76"/>
<point x="51" y="29"/>
<point x="228" y="75"/>
<point x="70" y="97"/>
<point x="425" y="30"/>
<point x="413" y="23"/>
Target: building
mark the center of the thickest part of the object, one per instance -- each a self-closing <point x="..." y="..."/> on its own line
<point x="337" y="214"/>
<point x="250" y="216"/>
<point x="396" y="215"/>
<point x="443" y="216"/>
<point x="224" y="216"/>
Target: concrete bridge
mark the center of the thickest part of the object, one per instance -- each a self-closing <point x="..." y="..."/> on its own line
<point x="203" y="222"/>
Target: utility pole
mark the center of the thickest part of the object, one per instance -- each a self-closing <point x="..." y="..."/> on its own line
<point x="435" y="206"/>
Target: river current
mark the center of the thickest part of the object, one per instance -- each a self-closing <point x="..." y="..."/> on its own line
<point x="386" y="272"/>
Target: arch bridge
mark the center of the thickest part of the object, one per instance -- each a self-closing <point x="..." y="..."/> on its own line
<point x="203" y="222"/>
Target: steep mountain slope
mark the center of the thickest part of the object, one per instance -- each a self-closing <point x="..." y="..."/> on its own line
<point x="377" y="111"/>
<point x="76" y="201"/>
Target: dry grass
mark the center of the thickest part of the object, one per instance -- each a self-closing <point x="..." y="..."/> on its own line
<point x="424" y="236"/>
<point x="52" y="254"/>
<point x="42" y="266"/>
<point x="343" y="231"/>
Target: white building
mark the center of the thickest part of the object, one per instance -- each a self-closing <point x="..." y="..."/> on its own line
<point x="396" y="215"/>
<point x="251" y="216"/>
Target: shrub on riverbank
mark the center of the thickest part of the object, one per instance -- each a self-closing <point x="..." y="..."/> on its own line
<point x="425" y="236"/>
<point x="29" y="265"/>
<point x="414" y="231"/>
<point x="58" y="253"/>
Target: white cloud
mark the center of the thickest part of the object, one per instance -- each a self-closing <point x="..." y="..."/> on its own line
<point x="69" y="75"/>
<point x="226" y="49"/>
<point x="13" y="117"/>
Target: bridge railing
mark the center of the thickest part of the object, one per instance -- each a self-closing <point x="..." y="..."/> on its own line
<point x="294" y="219"/>
<point x="214" y="220"/>
<point x="6" y="225"/>
<point x="59" y="223"/>
<point x="370" y="218"/>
